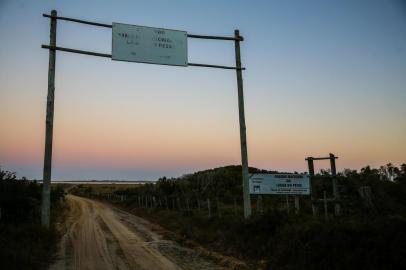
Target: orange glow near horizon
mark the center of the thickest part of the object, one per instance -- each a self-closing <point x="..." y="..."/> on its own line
<point x="80" y="142"/>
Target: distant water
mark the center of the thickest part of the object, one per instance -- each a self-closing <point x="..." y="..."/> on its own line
<point x="95" y="182"/>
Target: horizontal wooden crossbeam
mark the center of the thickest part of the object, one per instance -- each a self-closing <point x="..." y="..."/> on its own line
<point x="240" y="38"/>
<point x="57" y="48"/>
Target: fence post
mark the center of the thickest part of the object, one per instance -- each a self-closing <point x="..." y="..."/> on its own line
<point x="297" y="205"/>
<point x="179" y="205"/>
<point x="208" y="206"/>
<point x="218" y="207"/>
<point x="235" y="206"/>
<point x="366" y="195"/>
<point x="259" y="204"/>
<point x="187" y="204"/>
<point x="325" y="204"/>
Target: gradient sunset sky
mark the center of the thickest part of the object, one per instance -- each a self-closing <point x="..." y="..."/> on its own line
<point x="322" y="76"/>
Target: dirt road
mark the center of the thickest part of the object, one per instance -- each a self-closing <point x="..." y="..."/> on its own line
<point x="100" y="236"/>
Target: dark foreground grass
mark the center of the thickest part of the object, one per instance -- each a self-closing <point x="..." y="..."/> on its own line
<point x="277" y="241"/>
<point x="28" y="246"/>
<point x="24" y="243"/>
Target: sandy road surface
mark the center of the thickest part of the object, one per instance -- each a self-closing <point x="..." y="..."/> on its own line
<point x="103" y="237"/>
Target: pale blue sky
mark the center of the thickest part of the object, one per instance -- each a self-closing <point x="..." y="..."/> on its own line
<point x="322" y="76"/>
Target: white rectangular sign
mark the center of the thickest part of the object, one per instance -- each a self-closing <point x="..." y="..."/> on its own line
<point x="279" y="184"/>
<point x="149" y="45"/>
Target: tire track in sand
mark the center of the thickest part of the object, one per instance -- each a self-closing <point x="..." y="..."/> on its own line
<point x="99" y="236"/>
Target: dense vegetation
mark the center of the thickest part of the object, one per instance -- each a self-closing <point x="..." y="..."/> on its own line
<point x="24" y="243"/>
<point x="370" y="232"/>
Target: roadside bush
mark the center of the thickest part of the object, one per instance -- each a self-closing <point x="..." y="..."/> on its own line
<point x="24" y="243"/>
<point x="26" y="246"/>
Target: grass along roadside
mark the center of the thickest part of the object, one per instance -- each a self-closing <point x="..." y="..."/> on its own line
<point x="365" y="236"/>
<point x="24" y="243"/>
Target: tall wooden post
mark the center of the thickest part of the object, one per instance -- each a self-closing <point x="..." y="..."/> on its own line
<point x="243" y="136"/>
<point x="46" y="180"/>
<point x="335" y="188"/>
<point x="311" y="174"/>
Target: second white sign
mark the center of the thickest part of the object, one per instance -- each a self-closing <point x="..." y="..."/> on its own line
<point x="279" y="184"/>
